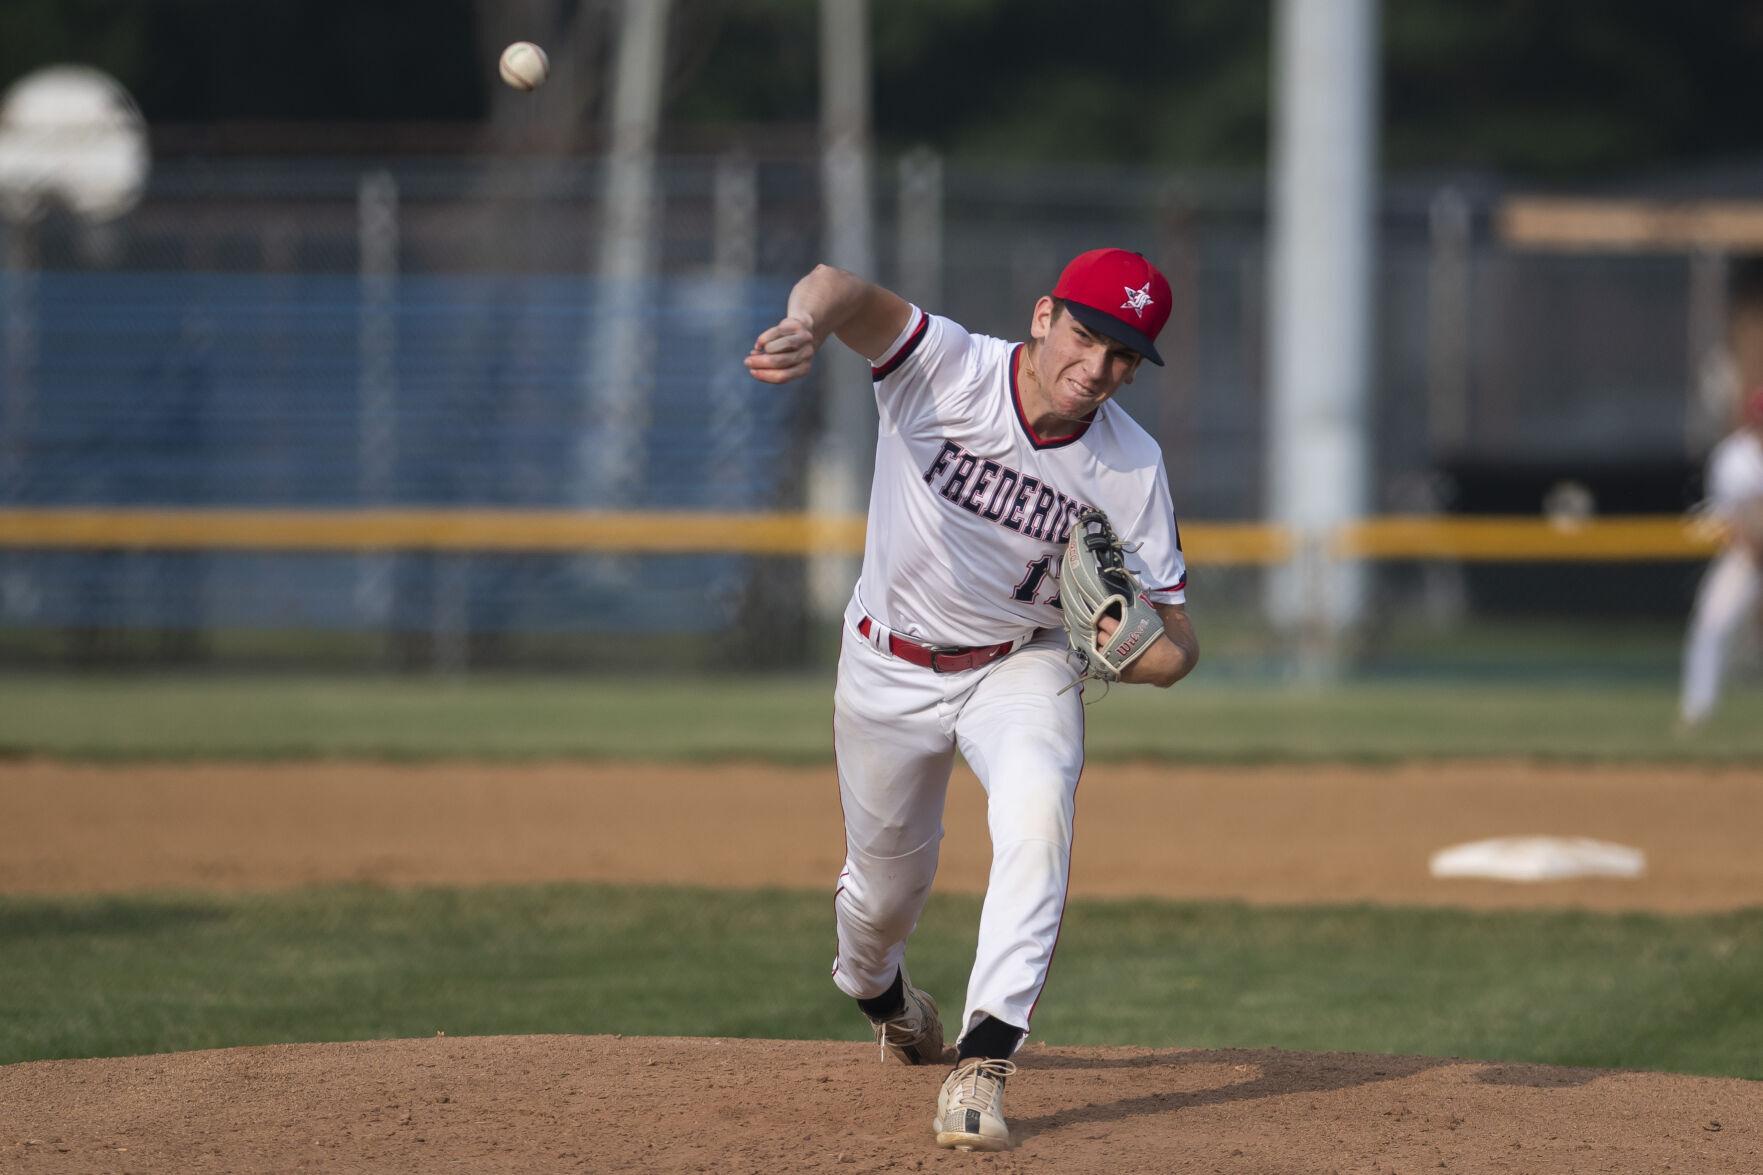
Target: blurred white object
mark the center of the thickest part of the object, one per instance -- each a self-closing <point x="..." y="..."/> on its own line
<point x="1538" y="858"/>
<point x="72" y="134"/>
<point x="1569" y="505"/>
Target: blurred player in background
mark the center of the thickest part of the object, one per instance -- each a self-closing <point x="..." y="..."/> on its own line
<point x="954" y="639"/>
<point x="1729" y="591"/>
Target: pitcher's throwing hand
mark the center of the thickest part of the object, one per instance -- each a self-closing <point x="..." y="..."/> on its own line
<point x="783" y="352"/>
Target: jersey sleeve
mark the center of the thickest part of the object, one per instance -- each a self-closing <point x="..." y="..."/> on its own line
<point x="1158" y="562"/>
<point x="932" y="357"/>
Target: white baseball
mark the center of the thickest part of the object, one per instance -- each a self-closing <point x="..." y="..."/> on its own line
<point x="524" y="65"/>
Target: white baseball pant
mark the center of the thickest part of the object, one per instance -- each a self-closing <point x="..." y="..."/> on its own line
<point x="896" y="728"/>
<point x="1726" y="596"/>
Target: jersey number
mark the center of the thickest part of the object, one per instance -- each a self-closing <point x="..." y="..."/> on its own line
<point x="1031" y="582"/>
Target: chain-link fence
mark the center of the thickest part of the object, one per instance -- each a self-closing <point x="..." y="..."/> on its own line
<point x="322" y="334"/>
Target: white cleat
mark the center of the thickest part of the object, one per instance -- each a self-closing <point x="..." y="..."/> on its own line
<point x="970" y="1110"/>
<point x="914" y="1034"/>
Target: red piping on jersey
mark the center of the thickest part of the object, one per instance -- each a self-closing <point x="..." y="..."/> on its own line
<point x="910" y="345"/>
<point x="1022" y="418"/>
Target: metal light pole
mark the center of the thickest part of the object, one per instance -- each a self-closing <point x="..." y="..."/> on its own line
<point x="842" y="462"/>
<point x="1320" y="365"/>
<point x="620" y="343"/>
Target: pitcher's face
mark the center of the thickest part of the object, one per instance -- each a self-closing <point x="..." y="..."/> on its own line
<point x="1077" y="369"/>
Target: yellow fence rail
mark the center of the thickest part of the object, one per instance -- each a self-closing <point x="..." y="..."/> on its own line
<point x="1615" y="539"/>
<point x="1470" y="539"/>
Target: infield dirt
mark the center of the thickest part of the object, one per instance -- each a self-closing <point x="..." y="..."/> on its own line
<point x="1269" y="834"/>
<point x="1302" y="833"/>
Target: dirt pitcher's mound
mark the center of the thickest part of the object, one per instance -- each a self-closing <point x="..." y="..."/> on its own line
<point x="562" y="1103"/>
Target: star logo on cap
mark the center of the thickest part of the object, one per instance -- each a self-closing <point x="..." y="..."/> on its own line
<point x="1137" y="300"/>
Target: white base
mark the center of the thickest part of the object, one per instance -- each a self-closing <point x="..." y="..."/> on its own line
<point x="1538" y="858"/>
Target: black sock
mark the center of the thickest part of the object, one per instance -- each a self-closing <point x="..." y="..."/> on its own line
<point x="888" y="1002"/>
<point x="991" y="1038"/>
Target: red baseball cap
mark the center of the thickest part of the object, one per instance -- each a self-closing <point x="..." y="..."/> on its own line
<point x="1118" y="294"/>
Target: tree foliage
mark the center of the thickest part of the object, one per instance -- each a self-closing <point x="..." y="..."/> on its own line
<point x="1551" y="88"/>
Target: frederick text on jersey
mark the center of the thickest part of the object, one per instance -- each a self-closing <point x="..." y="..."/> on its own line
<point x="1014" y="500"/>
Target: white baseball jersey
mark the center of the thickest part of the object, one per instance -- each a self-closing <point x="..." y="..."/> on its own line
<point x="970" y="510"/>
<point x="1735" y="472"/>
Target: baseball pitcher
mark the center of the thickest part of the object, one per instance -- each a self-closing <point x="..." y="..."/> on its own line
<point x="1020" y="541"/>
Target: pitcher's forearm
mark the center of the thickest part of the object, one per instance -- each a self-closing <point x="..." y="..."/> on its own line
<point x="825" y="299"/>
<point x="834" y="302"/>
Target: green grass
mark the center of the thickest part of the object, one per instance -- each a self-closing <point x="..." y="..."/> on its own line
<point x="91" y="977"/>
<point x="790" y="719"/>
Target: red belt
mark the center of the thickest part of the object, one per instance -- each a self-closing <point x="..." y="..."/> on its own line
<point x="940" y="659"/>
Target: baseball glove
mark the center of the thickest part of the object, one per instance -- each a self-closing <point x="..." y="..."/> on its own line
<point x="1094" y="583"/>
